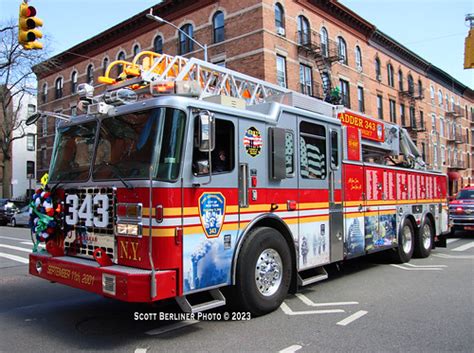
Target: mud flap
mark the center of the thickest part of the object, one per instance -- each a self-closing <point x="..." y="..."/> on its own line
<point x="440" y="241"/>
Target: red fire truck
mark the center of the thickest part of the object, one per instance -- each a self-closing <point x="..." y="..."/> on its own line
<point x="185" y="177"/>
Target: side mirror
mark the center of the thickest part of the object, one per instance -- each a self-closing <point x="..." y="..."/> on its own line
<point x="206" y="131"/>
<point x="33" y="118"/>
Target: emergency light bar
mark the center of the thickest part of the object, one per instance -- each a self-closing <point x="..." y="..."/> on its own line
<point x="182" y="88"/>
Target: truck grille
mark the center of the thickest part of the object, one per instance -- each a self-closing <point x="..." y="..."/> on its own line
<point x="82" y="240"/>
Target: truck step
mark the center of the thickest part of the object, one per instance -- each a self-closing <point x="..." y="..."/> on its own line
<point x="312" y="276"/>
<point x="216" y="299"/>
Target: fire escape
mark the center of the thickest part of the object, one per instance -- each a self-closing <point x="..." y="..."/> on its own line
<point x="323" y="52"/>
<point x="414" y="123"/>
<point x="455" y="136"/>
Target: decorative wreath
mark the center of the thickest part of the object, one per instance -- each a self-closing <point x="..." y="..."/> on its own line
<point x="45" y="217"/>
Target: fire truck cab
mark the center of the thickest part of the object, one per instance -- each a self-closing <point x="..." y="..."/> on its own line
<point x="215" y="179"/>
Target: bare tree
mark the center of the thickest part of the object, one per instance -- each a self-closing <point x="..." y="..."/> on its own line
<point x="17" y="81"/>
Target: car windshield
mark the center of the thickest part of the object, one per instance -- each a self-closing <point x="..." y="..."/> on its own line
<point x="73" y="152"/>
<point x="465" y="195"/>
<point x="125" y="148"/>
<point x="127" y="145"/>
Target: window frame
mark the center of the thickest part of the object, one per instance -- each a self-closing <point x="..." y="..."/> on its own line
<point x="185" y="44"/>
<point x="279" y="12"/>
<point x="280" y="59"/>
<point x="358" y="58"/>
<point x="345" y="93"/>
<point x="342" y="50"/>
<point x="218" y="31"/>
<point x="30" y="142"/>
<point x="58" y="88"/>
<point x="304" y="30"/>
<point x="360" y="99"/>
<point x="74" y="82"/>
<point x="390" y="77"/>
<point x="90" y="74"/>
<point x="304" y="71"/>
<point x="319" y="137"/>
<point x="158" y="44"/>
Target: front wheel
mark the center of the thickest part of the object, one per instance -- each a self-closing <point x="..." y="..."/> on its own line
<point x="406" y="243"/>
<point x="424" y="240"/>
<point x="263" y="271"/>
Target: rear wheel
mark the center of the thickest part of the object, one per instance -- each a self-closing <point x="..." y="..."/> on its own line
<point x="424" y="240"/>
<point x="263" y="271"/>
<point x="406" y="243"/>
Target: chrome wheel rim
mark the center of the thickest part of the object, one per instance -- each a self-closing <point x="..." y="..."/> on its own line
<point x="407" y="239"/>
<point x="268" y="272"/>
<point x="426" y="236"/>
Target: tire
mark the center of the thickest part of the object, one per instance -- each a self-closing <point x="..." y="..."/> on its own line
<point x="406" y="243"/>
<point x="424" y="239"/>
<point x="13" y="222"/>
<point x="265" y="249"/>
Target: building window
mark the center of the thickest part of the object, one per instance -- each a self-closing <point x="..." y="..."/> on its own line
<point x="31" y="109"/>
<point x="90" y="74"/>
<point x="358" y="58"/>
<point x="433" y="122"/>
<point x="422" y="120"/>
<point x="58" y="88"/>
<point x="185" y="43"/>
<point x="44" y="94"/>
<point x="44" y="126"/>
<point x="400" y="80"/>
<point x="220" y="63"/>
<point x="420" y="89"/>
<point x="342" y="50"/>
<point x="218" y="25"/>
<point x="312" y="151"/>
<point x="324" y="42"/>
<point x="390" y="75"/>
<point x="441" y="127"/>
<point x="74" y="82"/>
<point x="30" y="169"/>
<point x="443" y="155"/>
<point x="423" y="151"/>
<point x="120" y="56"/>
<point x="304" y="37"/>
<point x="379" y="106"/>
<point x="279" y="19"/>
<point x="360" y="99"/>
<point x="306" y="80"/>
<point x="105" y="64"/>
<point x="158" y="44"/>
<point x="345" y="94"/>
<point x="432" y="94"/>
<point x="136" y="49"/>
<point x="440" y="98"/>
<point x="393" y="110"/>
<point x="378" y="70"/>
<point x="412" y="116"/>
<point x="30" y="142"/>
<point x="281" y="70"/>
<point x="411" y="85"/>
<point x="446" y="101"/>
<point x="402" y="114"/>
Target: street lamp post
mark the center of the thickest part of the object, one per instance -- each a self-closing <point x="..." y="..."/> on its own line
<point x="159" y="19"/>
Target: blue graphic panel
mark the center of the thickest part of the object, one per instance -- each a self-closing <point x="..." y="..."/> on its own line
<point x="212" y="213"/>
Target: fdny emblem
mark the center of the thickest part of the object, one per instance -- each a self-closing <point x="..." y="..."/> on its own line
<point x="212" y="213"/>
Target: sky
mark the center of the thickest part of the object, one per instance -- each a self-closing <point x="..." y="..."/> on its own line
<point x="433" y="29"/>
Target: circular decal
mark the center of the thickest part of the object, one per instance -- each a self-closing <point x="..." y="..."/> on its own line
<point x="253" y="141"/>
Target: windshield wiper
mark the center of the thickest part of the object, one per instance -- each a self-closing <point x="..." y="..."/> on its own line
<point x="118" y="174"/>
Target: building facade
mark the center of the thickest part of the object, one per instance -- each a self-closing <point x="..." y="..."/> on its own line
<point x="308" y="46"/>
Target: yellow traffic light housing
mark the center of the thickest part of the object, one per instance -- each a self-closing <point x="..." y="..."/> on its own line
<point x="28" y="33"/>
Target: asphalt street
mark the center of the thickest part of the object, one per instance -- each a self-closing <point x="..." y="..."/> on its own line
<point x="366" y="305"/>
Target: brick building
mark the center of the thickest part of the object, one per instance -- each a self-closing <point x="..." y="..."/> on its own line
<point x="307" y="45"/>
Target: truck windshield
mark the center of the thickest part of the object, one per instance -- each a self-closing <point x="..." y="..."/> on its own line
<point x="126" y="147"/>
<point x="73" y="152"/>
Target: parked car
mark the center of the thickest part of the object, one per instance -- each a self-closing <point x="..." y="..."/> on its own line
<point x="461" y="210"/>
<point x="21" y="218"/>
<point x="7" y="209"/>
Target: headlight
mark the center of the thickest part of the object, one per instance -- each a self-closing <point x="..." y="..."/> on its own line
<point x="129" y="229"/>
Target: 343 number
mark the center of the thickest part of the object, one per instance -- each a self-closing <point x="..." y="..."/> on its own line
<point x="85" y="211"/>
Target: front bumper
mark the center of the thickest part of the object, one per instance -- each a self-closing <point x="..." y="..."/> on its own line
<point x="119" y="282"/>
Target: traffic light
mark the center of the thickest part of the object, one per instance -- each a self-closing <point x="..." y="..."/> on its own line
<point x="27" y="28"/>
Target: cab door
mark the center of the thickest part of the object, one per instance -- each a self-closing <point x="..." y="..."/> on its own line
<point x="336" y="220"/>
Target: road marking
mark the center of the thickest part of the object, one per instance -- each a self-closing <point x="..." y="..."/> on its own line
<point x="286" y="309"/>
<point x="291" y="349"/>
<point x="172" y="327"/>
<point x="464" y="247"/>
<point x="14" y="258"/>
<point x="462" y="257"/>
<point x="14" y="248"/>
<point x="309" y="302"/>
<point x="352" y="318"/>
<point x="452" y="240"/>
<point x="426" y="266"/>
<point x="417" y="269"/>
<point x="141" y="350"/>
<point x="41" y="245"/>
<point x="10" y="238"/>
